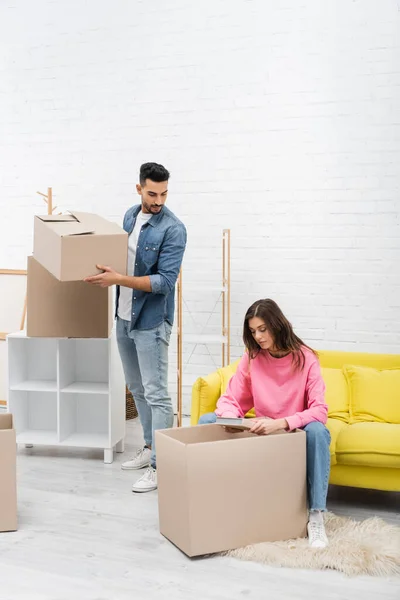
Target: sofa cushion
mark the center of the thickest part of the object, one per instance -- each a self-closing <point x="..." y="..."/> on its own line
<point x="374" y="394"/>
<point x="205" y="393"/>
<point x="369" y="444"/>
<point x="336" y="394"/>
<point x="335" y="426"/>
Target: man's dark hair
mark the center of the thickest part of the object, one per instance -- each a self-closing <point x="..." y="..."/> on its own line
<point x="153" y="171"/>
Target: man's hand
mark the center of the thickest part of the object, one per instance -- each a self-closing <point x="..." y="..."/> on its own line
<point x="109" y="277"/>
<point x="267" y="426"/>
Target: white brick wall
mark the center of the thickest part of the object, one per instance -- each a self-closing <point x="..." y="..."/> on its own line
<point x="280" y="120"/>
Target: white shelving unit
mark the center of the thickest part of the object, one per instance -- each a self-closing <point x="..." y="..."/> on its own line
<point x="67" y="392"/>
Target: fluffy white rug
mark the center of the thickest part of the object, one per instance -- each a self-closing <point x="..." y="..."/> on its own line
<point x="370" y="547"/>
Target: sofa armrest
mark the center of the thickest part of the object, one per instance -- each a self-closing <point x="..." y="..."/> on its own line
<point x="205" y="394"/>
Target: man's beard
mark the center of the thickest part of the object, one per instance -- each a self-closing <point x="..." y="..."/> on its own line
<point x="154" y="209"/>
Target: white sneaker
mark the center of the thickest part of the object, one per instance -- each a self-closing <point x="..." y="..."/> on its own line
<point x="147" y="482"/>
<point x="316" y="534"/>
<point x="139" y="461"/>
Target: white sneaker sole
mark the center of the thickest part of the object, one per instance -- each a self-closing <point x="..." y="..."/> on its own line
<point x="142" y="491"/>
<point x="318" y="545"/>
<point x="125" y="468"/>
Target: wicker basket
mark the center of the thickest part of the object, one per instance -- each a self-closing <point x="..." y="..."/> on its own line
<point x="131" y="410"/>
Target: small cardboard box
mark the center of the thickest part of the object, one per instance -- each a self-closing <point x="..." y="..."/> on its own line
<point x="70" y="246"/>
<point x="218" y="491"/>
<point x="8" y="476"/>
<point x="73" y="309"/>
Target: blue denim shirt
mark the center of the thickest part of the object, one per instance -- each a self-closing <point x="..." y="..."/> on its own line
<point x="159" y="255"/>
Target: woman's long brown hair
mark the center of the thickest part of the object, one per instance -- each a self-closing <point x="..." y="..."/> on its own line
<point x="279" y="327"/>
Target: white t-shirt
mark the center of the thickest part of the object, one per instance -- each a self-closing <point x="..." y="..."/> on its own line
<point x="125" y="294"/>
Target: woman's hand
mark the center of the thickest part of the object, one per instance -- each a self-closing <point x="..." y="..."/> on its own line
<point x="267" y="426"/>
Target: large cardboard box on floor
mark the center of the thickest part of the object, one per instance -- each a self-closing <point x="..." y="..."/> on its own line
<point x="218" y="491"/>
<point x="72" y="309"/>
<point x="70" y="246"/>
<point x="8" y="477"/>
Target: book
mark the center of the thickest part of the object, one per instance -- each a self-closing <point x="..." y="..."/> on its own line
<point x="242" y="424"/>
<point x="234" y="423"/>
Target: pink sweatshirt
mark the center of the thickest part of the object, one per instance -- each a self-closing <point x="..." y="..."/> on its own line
<point x="276" y="390"/>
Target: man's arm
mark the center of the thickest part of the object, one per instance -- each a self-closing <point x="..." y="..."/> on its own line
<point x="111" y="277"/>
<point x="135" y="283"/>
<point x="169" y="261"/>
<point x="169" y="264"/>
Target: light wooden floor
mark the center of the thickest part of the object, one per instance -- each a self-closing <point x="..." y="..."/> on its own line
<point x="84" y="535"/>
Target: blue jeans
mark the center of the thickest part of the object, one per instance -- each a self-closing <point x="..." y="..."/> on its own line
<point x="144" y="355"/>
<point x="318" y="460"/>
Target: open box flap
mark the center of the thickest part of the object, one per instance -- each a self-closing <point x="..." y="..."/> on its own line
<point x="99" y="225"/>
<point x="58" y="218"/>
<point x="68" y="225"/>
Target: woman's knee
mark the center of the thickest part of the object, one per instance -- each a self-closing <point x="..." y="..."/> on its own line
<point x="207" y="419"/>
<point x="317" y="432"/>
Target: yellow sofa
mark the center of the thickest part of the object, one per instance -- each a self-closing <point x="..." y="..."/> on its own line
<point x="363" y="396"/>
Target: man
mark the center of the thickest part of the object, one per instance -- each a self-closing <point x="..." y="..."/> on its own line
<point x="145" y="310"/>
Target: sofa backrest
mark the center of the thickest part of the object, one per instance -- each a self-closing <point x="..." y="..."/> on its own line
<point x="342" y="401"/>
<point x="335" y="359"/>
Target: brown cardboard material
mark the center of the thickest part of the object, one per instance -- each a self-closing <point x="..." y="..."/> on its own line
<point x="72" y="309"/>
<point x="70" y="246"/>
<point x="218" y="491"/>
<point x="8" y="477"/>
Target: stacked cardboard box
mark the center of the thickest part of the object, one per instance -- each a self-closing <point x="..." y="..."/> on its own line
<point x="8" y="490"/>
<point x="66" y="249"/>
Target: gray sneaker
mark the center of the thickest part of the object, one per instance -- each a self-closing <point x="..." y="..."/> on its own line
<point x="139" y="461"/>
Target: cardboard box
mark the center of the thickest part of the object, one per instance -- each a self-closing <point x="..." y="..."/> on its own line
<point x="8" y="476"/>
<point x="70" y="246"/>
<point x="66" y="308"/>
<point x="218" y="491"/>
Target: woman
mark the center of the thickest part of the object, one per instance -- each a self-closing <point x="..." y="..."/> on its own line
<point x="280" y="377"/>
